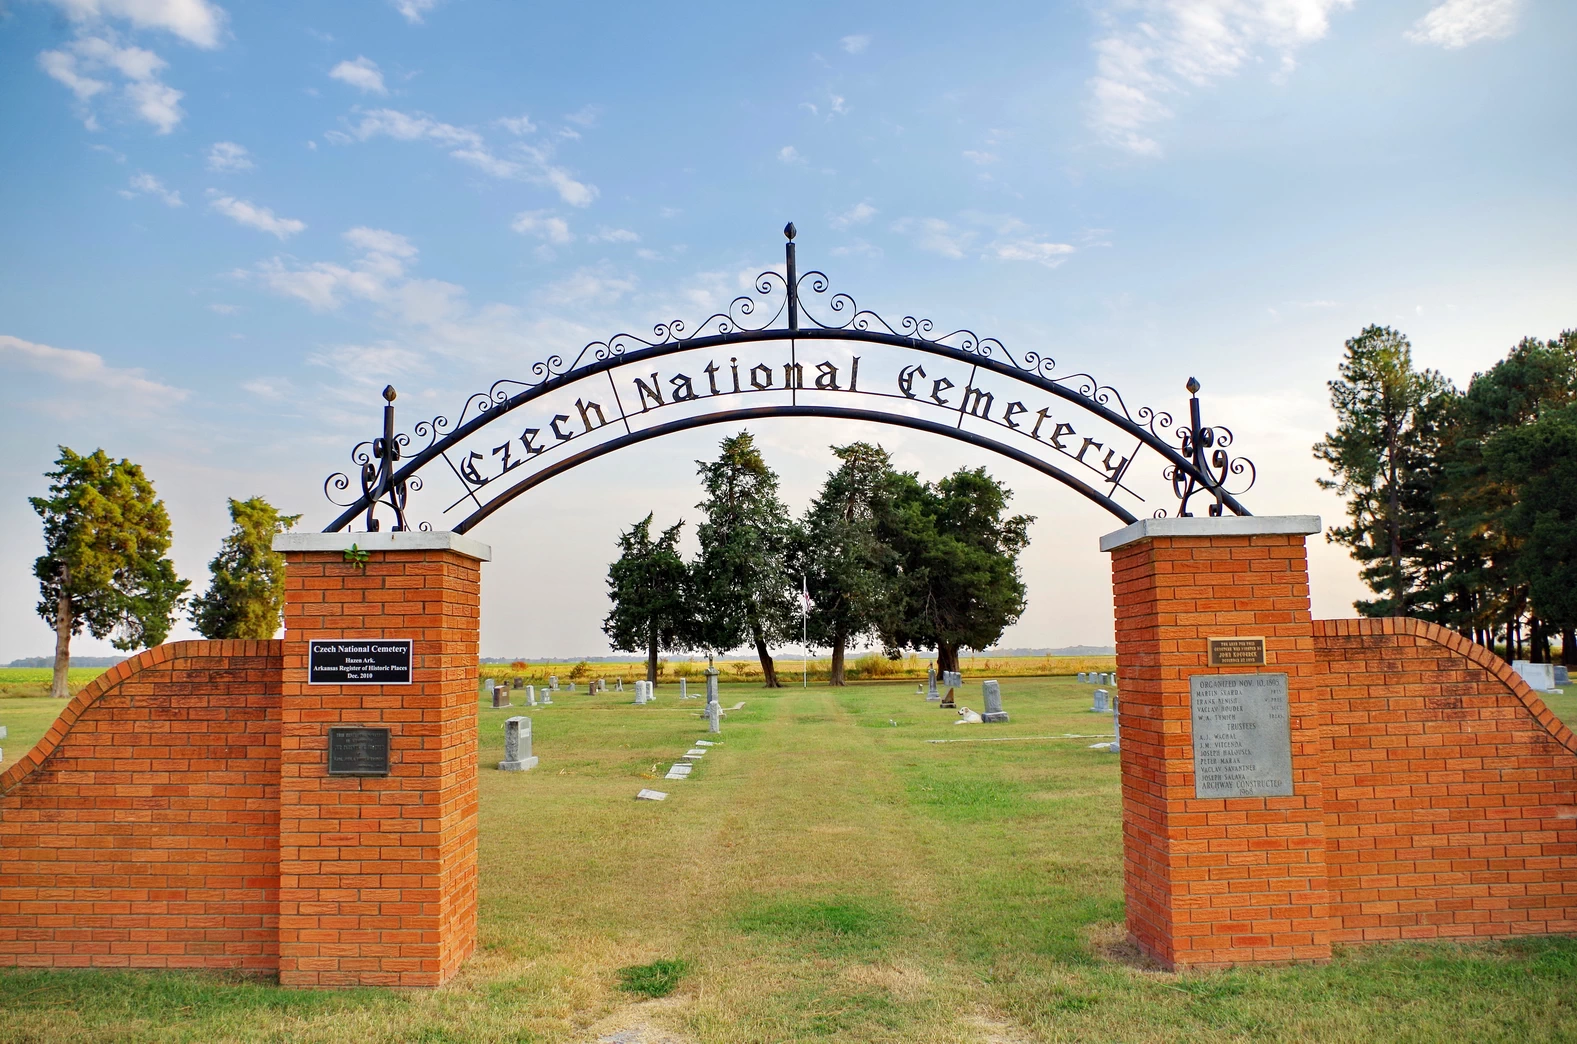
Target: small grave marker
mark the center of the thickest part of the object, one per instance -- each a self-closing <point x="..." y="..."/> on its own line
<point x="651" y="795"/>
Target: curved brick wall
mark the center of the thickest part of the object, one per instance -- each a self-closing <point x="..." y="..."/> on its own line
<point x="1450" y="789"/>
<point x="143" y="830"/>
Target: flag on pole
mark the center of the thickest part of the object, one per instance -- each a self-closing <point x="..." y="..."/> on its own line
<point x="804" y="597"/>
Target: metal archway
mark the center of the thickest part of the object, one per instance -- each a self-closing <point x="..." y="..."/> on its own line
<point x="814" y="321"/>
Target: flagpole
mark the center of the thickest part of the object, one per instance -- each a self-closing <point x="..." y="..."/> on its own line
<point x="804" y="634"/>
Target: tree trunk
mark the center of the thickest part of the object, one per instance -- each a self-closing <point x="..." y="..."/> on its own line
<point x="1539" y="643"/>
<point x="946" y="658"/>
<point x="58" y="687"/>
<point x="651" y="658"/>
<point x="1398" y="593"/>
<point x="839" y="642"/>
<point x="768" y="671"/>
<point x="1569" y="646"/>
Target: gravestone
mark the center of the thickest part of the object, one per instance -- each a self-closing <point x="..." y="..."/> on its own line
<point x="547" y="698"/>
<point x="515" y="683"/>
<point x="705" y="743"/>
<point x="487" y="686"/>
<point x="553" y="682"/>
<point x="571" y="686"/>
<point x="640" y="694"/>
<point x="531" y="696"/>
<point x="620" y="686"/>
<point x="1100" y="706"/>
<point x="1563" y="676"/>
<point x="679" y="770"/>
<point x="711" y="684"/>
<point x="651" y="795"/>
<point x="947" y="700"/>
<point x="517" y="746"/>
<point x="714" y="717"/>
<point x="1083" y="677"/>
<point x="1117" y="728"/>
<point x="991" y="695"/>
<point x="500" y="697"/>
<point x="1539" y="676"/>
<point x="684" y="689"/>
<point x="930" y="684"/>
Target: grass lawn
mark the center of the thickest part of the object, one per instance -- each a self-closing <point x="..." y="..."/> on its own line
<point x="824" y="874"/>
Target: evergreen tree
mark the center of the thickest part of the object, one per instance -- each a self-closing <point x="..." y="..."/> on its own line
<point x="741" y="580"/>
<point x="648" y="586"/>
<point x="104" y="566"/>
<point x="247" y="593"/>
<point x="957" y="580"/>
<point x="1383" y="444"/>
<point x="844" y="562"/>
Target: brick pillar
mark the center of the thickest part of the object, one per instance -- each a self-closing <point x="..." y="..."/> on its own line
<point x="378" y="874"/>
<point x="1216" y="881"/>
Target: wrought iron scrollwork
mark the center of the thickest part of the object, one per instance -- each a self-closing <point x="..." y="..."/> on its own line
<point x="783" y="304"/>
<point x="1206" y="446"/>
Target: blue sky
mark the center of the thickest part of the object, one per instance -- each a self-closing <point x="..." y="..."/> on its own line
<point x="227" y="225"/>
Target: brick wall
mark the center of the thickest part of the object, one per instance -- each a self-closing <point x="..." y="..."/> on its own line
<point x="1450" y="789"/>
<point x="1212" y="881"/>
<point x="378" y="875"/>
<point x="143" y="830"/>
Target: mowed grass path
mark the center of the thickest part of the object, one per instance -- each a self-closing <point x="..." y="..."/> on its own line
<point x="824" y="875"/>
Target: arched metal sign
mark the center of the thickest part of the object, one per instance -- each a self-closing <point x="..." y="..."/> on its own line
<point x="793" y="348"/>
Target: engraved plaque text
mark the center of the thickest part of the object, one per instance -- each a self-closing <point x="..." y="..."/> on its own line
<point x="1236" y="652"/>
<point x="1242" y="735"/>
<point x="355" y="751"/>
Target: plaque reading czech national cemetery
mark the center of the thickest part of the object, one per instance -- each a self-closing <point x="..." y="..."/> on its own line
<point x="355" y="751"/>
<point x="1242" y="735"/>
<point x="374" y="661"/>
<point x="1236" y="652"/>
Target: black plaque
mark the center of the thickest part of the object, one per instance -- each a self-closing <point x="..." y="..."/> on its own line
<point x="359" y="661"/>
<point x="357" y="751"/>
<point x="1236" y="652"/>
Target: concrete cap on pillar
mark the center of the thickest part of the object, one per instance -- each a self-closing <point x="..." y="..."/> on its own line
<point x="1229" y="525"/>
<point x="405" y="540"/>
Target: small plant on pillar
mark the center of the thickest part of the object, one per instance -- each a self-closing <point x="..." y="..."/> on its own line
<point x="356" y="557"/>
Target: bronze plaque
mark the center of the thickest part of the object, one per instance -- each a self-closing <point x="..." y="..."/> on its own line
<point x="1236" y="652"/>
<point x="357" y="751"/>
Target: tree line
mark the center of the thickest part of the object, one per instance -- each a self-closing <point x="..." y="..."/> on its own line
<point x="1462" y="503"/>
<point x="106" y="567"/>
<point x="882" y="556"/>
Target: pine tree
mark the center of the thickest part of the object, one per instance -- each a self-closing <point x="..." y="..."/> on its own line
<point x="246" y="596"/>
<point x="648" y="587"/>
<point x="741" y="579"/>
<point x="104" y="567"/>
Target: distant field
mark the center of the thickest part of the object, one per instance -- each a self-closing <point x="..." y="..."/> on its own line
<point x="865" y="667"/>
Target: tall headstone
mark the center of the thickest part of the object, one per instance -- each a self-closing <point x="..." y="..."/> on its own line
<point x="930" y="684"/>
<point x="620" y="686"/>
<point x="640" y="693"/>
<point x="1100" y="705"/>
<point x="711" y="684"/>
<point x="684" y="689"/>
<point x="553" y="682"/>
<point x="517" y="746"/>
<point x="531" y="695"/>
<point x="1117" y="728"/>
<point x="991" y="695"/>
<point x="714" y="717"/>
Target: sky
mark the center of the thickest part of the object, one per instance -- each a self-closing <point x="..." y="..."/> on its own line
<point x="226" y="226"/>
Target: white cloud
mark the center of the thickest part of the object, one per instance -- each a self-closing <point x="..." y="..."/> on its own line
<point x="1457" y="23"/>
<point x="379" y="276"/>
<point x="361" y="74"/>
<point x="585" y="116"/>
<point x="414" y="9"/>
<point x="251" y="215"/>
<point x="980" y="158"/>
<point x="83" y="63"/>
<point x="615" y="235"/>
<point x="589" y="286"/>
<point x="1049" y="254"/>
<point x="70" y="364"/>
<point x="789" y="154"/>
<point x="380" y="241"/>
<point x="532" y="163"/>
<point x="196" y="21"/>
<point x="855" y="43"/>
<point x="227" y="157"/>
<point x="1155" y="50"/>
<point x="518" y="125"/>
<point x="148" y="185"/>
<point x="224" y="309"/>
<point x="936" y="236"/>
<point x="544" y="225"/>
<point x="858" y="214"/>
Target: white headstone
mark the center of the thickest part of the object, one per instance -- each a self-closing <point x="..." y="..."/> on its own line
<point x="684" y="688"/>
<point x="487" y="686"/>
<point x="640" y="693"/>
<point x="991" y="695"/>
<point x="930" y="684"/>
<point x="553" y="682"/>
<point x="1539" y="676"/>
<point x="1101" y="706"/>
<point x="531" y="696"/>
<point x="714" y="717"/>
<point x="517" y="746"/>
<point x="1083" y="676"/>
<point x="651" y="795"/>
<point x="547" y="698"/>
